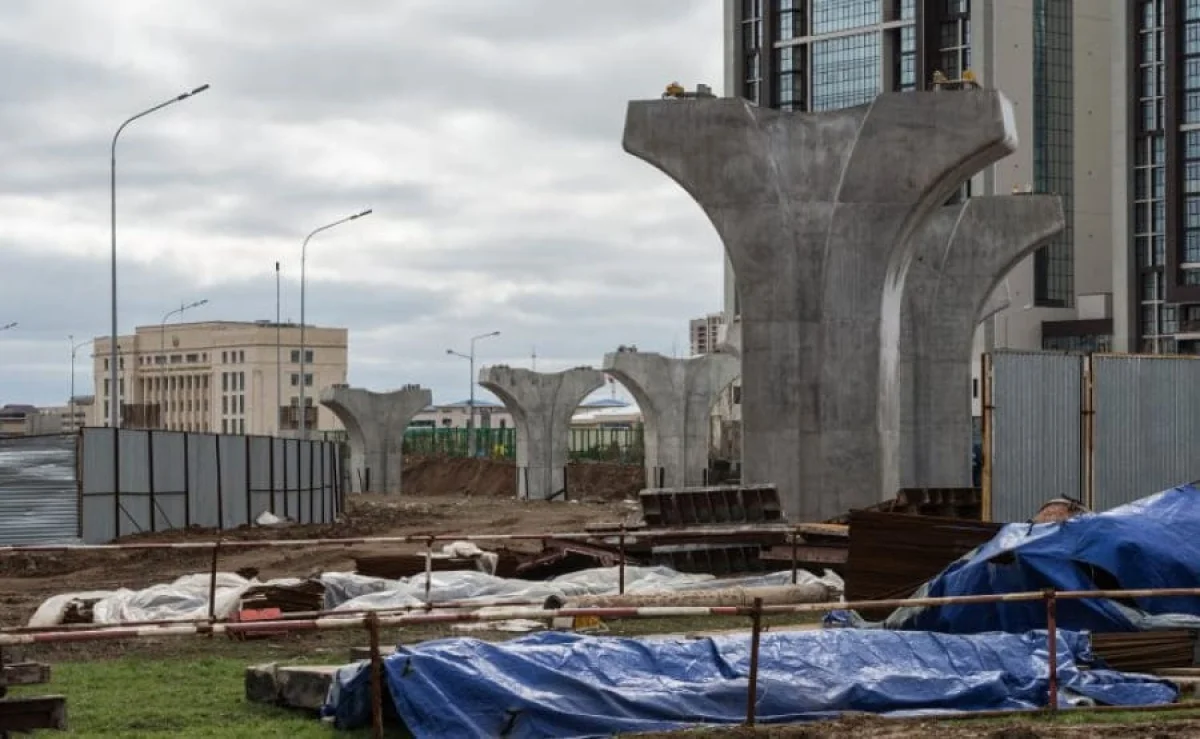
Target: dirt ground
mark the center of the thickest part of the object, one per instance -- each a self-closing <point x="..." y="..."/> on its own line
<point x="864" y="727"/>
<point x="457" y="496"/>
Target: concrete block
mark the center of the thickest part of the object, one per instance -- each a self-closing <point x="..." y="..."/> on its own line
<point x="963" y="253"/>
<point x="817" y="213"/>
<point x="294" y="686"/>
<point x="541" y="404"/>
<point x="676" y="397"/>
<point x="375" y="423"/>
<point x="26" y="673"/>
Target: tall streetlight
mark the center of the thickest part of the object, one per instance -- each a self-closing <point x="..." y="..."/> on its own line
<point x="179" y="310"/>
<point x="471" y="403"/>
<point x="303" y="257"/>
<point x="114" y="416"/>
<point x="71" y="402"/>
<point x="7" y="326"/>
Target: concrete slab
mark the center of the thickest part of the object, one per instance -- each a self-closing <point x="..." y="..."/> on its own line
<point x="294" y="686"/>
<point x="963" y="253"/>
<point x="26" y="673"/>
<point x="817" y="213"/>
<point x="541" y="404"/>
<point x="375" y="423"/>
<point x="676" y="397"/>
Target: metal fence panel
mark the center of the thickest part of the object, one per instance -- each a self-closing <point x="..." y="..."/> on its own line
<point x="38" y="492"/>
<point x="173" y="479"/>
<point x="1036" y="412"/>
<point x="96" y="485"/>
<point x="170" y="481"/>
<point x="204" y="483"/>
<point x="1146" y="426"/>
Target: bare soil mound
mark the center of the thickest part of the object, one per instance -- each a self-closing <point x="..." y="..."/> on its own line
<point x="498" y="478"/>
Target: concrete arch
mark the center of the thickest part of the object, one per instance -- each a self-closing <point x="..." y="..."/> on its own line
<point x="676" y="397"/>
<point x="541" y="404"/>
<point x="376" y="423"/>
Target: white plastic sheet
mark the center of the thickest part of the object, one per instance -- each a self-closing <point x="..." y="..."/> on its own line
<point x="188" y="596"/>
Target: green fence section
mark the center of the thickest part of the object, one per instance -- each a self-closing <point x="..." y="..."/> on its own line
<point x="608" y="444"/>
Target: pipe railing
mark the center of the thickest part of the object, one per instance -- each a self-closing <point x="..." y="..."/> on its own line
<point x="374" y="620"/>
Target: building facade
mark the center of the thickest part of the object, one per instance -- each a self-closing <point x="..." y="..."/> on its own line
<point x="221" y="376"/>
<point x="705" y="333"/>
<point x="1156" y="174"/>
<point x="1052" y="60"/>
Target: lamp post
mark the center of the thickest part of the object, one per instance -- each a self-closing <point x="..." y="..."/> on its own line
<point x="114" y="417"/>
<point x="303" y="258"/>
<point x="179" y="310"/>
<point x="7" y="326"/>
<point x="471" y="402"/>
<point x="278" y="357"/>
<point x="71" y="401"/>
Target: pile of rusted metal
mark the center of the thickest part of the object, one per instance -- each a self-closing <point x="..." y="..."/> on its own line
<point x="307" y="595"/>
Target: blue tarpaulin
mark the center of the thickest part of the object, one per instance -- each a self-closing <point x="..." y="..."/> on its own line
<point x="1150" y="543"/>
<point x="568" y="685"/>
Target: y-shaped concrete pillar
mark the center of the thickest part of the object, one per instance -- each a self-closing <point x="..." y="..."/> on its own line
<point x="817" y="213"/>
<point x="963" y="253"/>
<point x="376" y="423"/>
<point x="676" y="397"/>
<point x="541" y="404"/>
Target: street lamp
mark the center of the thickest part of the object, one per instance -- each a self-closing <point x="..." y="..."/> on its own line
<point x="71" y="401"/>
<point x="114" y="418"/>
<point x="303" y="256"/>
<point x="7" y="326"/>
<point x="179" y="310"/>
<point x="471" y="403"/>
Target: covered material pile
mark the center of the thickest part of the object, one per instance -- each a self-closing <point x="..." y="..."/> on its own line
<point x="566" y="685"/>
<point x="1152" y="543"/>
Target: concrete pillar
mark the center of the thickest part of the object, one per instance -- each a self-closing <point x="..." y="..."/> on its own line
<point x="817" y="213"/>
<point x="963" y="253"/>
<point x="541" y="404"/>
<point x="376" y="423"/>
<point x="676" y="397"/>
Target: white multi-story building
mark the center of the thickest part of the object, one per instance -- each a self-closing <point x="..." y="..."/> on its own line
<point x="227" y="377"/>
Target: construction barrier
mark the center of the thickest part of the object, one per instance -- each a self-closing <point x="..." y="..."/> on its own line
<point x="372" y="621"/>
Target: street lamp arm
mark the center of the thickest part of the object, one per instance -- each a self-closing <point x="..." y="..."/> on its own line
<point x="150" y="110"/>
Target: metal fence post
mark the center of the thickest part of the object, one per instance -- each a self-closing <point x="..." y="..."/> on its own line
<point x="220" y="484"/>
<point x="794" y="558"/>
<point x="212" y="582"/>
<point x="372" y="622"/>
<point x="249" y="483"/>
<point x="271" y="472"/>
<point x="1052" y="648"/>
<point x="187" y="481"/>
<point x="752" y="681"/>
<point x="621" y="564"/>
<point x="116" y="475"/>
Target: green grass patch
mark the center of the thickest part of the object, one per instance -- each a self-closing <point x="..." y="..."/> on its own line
<point x="153" y="698"/>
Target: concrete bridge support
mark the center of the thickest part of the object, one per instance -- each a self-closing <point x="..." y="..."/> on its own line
<point x="541" y="404"/>
<point x="375" y="423"/>
<point x="676" y="397"/>
<point x="817" y="213"/>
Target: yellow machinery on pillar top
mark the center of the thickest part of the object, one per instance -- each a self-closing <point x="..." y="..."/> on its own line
<point x="676" y="91"/>
<point x="967" y="81"/>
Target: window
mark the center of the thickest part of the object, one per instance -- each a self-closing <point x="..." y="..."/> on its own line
<point x="241" y="357"/>
<point x="105" y="365"/>
<point x="241" y="404"/>
<point x="224" y="382"/>
<point x="295" y="356"/>
<point x="224" y="357"/>
<point x="308" y="379"/>
<point x="295" y="380"/>
<point x="1053" y="144"/>
<point x="225" y="404"/>
<point x="193" y="358"/>
<point x="224" y="425"/>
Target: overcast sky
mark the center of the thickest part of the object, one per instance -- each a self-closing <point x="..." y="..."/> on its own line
<point x="486" y="135"/>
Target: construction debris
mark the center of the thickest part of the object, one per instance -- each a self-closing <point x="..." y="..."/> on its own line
<point x="26" y="673"/>
<point x="1146" y="650"/>
<point x="305" y="595"/>
<point x="961" y="503"/>
<point x="303" y="687"/>
<point x="891" y="555"/>
<point x="562" y="556"/>
<point x="705" y="506"/>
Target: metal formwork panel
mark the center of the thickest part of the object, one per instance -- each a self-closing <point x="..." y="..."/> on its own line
<point x="711" y="505"/>
<point x="39" y="501"/>
<point x="1036" y="416"/>
<point x="1146" y="426"/>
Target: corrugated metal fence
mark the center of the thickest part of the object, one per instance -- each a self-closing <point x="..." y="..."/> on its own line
<point x="1105" y="429"/>
<point x="172" y="479"/>
<point x="39" y="497"/>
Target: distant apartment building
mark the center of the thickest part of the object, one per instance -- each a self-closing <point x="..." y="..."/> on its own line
<point x="224" y="377"/>
<point x="705" y="333"/>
